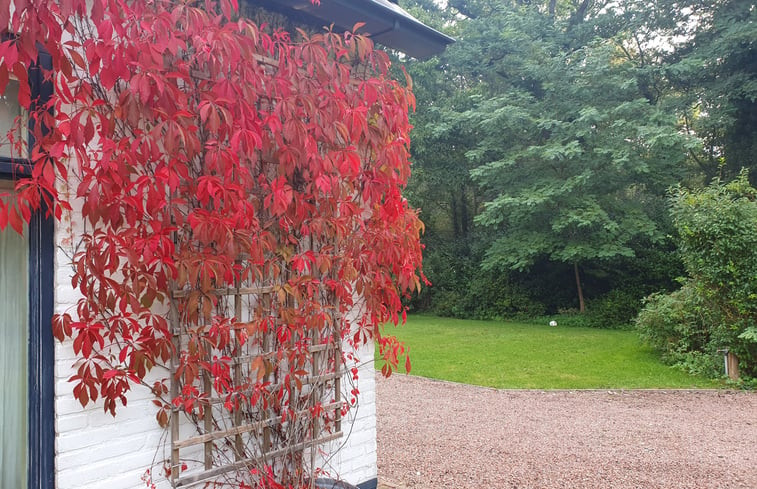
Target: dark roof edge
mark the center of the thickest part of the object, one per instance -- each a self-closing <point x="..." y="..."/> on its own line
<point x="402" y="31"/>
<point x="425" y="31"/>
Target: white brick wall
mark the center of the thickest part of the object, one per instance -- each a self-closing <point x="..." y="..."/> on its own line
<point x="95" y="450"/>
<point x="353" y="458"/>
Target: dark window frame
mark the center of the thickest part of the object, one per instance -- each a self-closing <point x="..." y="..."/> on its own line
<point x="41" y="353"/>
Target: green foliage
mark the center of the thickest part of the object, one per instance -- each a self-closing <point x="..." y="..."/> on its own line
<point x="549" y="134"/>
<point x="717" y="307"/>
<point x="715" y="71"/>
<point x="494" y="295"/>
<point x="462" y="290"/>
<point x="678" y="325"/>
<point x="541" y="123"/>
<point x="614" y="310"/>
<point x="535" y="356"/>
<point x="572" y="162"/>
<point x="471" y="293"/>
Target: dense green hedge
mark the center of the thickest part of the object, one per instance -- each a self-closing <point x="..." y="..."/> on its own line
<point x="717" y="306"/>
<point x="614" y="292"/>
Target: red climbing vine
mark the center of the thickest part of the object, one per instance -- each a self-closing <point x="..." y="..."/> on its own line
<point x="201" y="151"/>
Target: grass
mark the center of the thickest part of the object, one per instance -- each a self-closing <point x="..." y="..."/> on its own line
<point x="515" y="355"/>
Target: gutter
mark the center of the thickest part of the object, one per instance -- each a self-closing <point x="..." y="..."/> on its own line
<point x="386" y="22"/>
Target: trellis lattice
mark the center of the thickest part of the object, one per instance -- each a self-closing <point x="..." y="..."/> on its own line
<point x="265" y="398"/>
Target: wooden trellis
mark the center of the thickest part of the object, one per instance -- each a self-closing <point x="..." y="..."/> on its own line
<point x="272" y="419"/>
<point x="227" y="442"/>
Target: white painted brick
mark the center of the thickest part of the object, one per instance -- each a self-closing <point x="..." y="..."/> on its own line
<point x="95" y="450"/>
<point x="96" y="436"/>
<point x="356" y="460"/>
<point x="123" y="480"/>
<point x="64" y="357"/>
<point x="100" y="473"/>
<point x="72" y="422"/>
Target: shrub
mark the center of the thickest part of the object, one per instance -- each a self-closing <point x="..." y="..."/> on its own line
<point x="448" y="303"/>
<point x="614" y="310"/>
<point x="678" y="325"/>
<point x="493" y="295"/>
<point x="717" y="307"/>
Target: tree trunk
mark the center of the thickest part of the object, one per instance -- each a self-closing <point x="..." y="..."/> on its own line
<point x="463" y="212"/>
<point x="455" y="217"/>
<point x="578" y="16"/>
<point x="581" y="304"/>
<point x="552" y="5"/>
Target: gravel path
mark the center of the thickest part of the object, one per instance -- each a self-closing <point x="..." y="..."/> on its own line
<point x="434" y="434"/>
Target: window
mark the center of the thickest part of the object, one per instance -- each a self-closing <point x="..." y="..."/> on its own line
<point x="14" y="364"/>
<point x="12" y="116"/>
<point x="27" y="434"/>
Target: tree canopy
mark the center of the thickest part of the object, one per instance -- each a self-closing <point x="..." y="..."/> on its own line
<point x="552" y="129"/>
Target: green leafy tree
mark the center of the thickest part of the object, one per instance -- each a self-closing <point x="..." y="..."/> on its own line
<point x="573" y="153"/>
<point x="441" y="185"/>
<point x="715" y="70"/>
<point x="546" y="137"/>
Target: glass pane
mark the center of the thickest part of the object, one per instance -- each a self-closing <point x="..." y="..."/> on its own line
<point x="10" y="111"/>
<point x="14" y="316"/>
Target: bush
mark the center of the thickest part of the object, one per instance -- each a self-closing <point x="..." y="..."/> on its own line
<point x="678" y="325"/>
<point x="487" y="295"/>
<point x="717" y="307"/>
<point x="448" y="303"/>
<point x="614" y="310"/>
<point x="493" y="295"/>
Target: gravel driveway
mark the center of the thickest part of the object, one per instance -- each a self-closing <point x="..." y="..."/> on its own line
<point x="434" y="434"/>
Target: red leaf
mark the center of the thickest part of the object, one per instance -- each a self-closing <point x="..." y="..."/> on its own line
<point x="5" y="16"/>
<point x="82" y="395"/>
<point x="110" y="373"/>
<point x="62" y="326"/>
<point x="3" y="215"/>
<point x="205" y="158"/>
<point x="282" y="195"/>
<point x="4" y="77"/>
<point x="15" y="220"/>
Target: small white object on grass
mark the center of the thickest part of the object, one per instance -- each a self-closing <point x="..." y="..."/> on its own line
<point x="553" y="323"/>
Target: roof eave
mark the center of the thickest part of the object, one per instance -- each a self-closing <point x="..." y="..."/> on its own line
<point x="385" y="24"/>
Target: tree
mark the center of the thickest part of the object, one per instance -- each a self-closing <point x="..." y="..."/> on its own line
<point x="441" y="186"/>
<point x="573" y="118"/>
<point x="560" y="113"/>
<point x="715" y="70"/>
<point x="573" y="152"/>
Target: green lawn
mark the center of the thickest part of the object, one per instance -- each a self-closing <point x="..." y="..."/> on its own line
<point x="525" y="356"/>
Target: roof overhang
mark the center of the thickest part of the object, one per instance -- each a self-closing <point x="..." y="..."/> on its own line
<point x="385" y="22"/>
